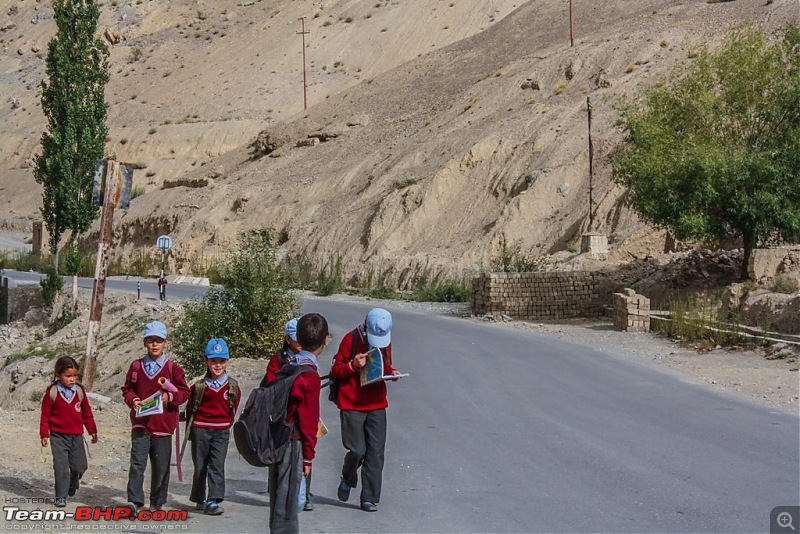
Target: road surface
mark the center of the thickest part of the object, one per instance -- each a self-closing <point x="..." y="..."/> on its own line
<point x="504" y="430"/>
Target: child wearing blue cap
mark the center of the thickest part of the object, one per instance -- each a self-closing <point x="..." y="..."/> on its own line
<point x="362" y="409"/>
<point x="210" y="413"/>
<point x="151" y="435"/>
<point x="284" y="354"/>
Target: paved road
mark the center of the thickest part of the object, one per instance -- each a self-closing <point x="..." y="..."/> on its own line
<point x="499" y="430"/>
<point x="508" y="431"/>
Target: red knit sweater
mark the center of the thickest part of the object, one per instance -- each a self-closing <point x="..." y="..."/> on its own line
<point x="214" y="411"/>
<point x="304" y="406"/>
<point x="140" y="386"/>
<point x="66" y="417"/>
<point x="351" y="395"/>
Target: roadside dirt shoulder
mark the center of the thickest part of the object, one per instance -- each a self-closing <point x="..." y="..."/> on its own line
<point x="749" y="373"/>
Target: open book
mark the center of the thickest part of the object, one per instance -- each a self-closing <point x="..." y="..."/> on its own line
<point x="151" y="405"/>
<point x="373" y="370"/>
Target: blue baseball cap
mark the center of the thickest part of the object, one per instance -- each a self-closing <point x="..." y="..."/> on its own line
<point x="155" y="329"/>
<point x="291" y="329"/>
<point x="379" y="328"/>
<point x="217" y="348"/>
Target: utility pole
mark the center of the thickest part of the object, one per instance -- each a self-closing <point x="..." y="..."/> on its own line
<point x="591" y="158"/>
<point x="303" y="33"/>
<point x="571" y="25"/>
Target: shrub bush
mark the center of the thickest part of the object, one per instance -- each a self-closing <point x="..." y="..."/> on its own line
<point x="51" y="285"/>
<point x="248" y="310"/>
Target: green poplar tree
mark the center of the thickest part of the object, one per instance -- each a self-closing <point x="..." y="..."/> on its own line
<point x="73" y="103"/>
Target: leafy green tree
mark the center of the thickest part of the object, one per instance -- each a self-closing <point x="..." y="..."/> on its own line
<point x="713" y="151"/>
<point x="74" y="105"/>
<point x="248" y="309"/>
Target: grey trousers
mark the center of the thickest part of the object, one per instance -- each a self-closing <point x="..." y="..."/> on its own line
<point x="209" y="449"/>
<point x="69" y="461"/>
<point x="284" y="489"/>
<point x="364" y="437"/>
<point x="159" y="451"/>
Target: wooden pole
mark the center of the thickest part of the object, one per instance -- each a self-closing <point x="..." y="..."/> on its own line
<point x="591" y="168"/>
<point x="571" y="26"/>
<point x="303" y="33"/>
<point x="99" y="286"/>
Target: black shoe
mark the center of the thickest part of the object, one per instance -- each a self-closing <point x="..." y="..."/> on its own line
<point x="61" y="502"/>
<point x="308" y="506"/>
<point x="72" y="491"/>
<point x="343" y="492"/>
<point x="369" y="507"/>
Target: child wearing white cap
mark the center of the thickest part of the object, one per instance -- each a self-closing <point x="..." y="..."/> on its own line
<point x="363" y="408"/>
<point x="210" y="413"/>
<point x="151" y="435"/>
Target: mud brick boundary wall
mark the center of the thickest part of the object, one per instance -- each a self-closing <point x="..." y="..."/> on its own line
<point x="554" y="295"/>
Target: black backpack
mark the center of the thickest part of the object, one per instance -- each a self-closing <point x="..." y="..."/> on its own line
<point x="333" y="383"/>
<point x="261" y="433"/>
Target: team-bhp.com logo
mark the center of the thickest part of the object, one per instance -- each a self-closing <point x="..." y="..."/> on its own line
<point x="15" y="514"/>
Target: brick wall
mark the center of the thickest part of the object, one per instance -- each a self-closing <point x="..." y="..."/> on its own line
<point x="554" y="295"/>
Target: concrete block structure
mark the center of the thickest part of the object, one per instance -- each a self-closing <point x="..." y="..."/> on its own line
<point x="631" y="311"/>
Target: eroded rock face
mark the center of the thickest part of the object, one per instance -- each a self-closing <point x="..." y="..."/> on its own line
<point x="770" y="311"/>
<point x="779" y="262"/>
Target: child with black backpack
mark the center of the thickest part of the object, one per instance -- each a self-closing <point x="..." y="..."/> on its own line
<point x="65" y="411"/>
<point x="212" y="406"/>
<point x="288" y="474"/>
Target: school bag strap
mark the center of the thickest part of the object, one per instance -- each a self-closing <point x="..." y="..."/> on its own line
<point x="333" y="383"/>
<point x="233" y="394"/>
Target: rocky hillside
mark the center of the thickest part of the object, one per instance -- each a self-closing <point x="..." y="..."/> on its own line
<point x="436" y="131"/>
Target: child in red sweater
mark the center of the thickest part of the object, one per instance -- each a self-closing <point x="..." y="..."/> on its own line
<point x="287" y="477"/>
<point x="65" y="411"/>
<point x="151" y="435"/>
<point x="211" y="416"/>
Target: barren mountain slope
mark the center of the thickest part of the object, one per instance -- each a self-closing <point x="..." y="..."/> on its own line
<point x="436" y="150"/>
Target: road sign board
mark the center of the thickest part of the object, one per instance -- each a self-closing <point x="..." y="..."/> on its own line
<point x="164" y="242"/>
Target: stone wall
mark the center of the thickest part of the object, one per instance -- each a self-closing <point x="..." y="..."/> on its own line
<point x="555" y="295"/>
<point x="16" y="301"/>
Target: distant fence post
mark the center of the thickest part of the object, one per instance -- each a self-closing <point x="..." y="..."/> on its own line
<point x="5" y="307"/>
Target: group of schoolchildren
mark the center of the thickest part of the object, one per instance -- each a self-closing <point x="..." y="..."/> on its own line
<point x="210" y="411"/>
